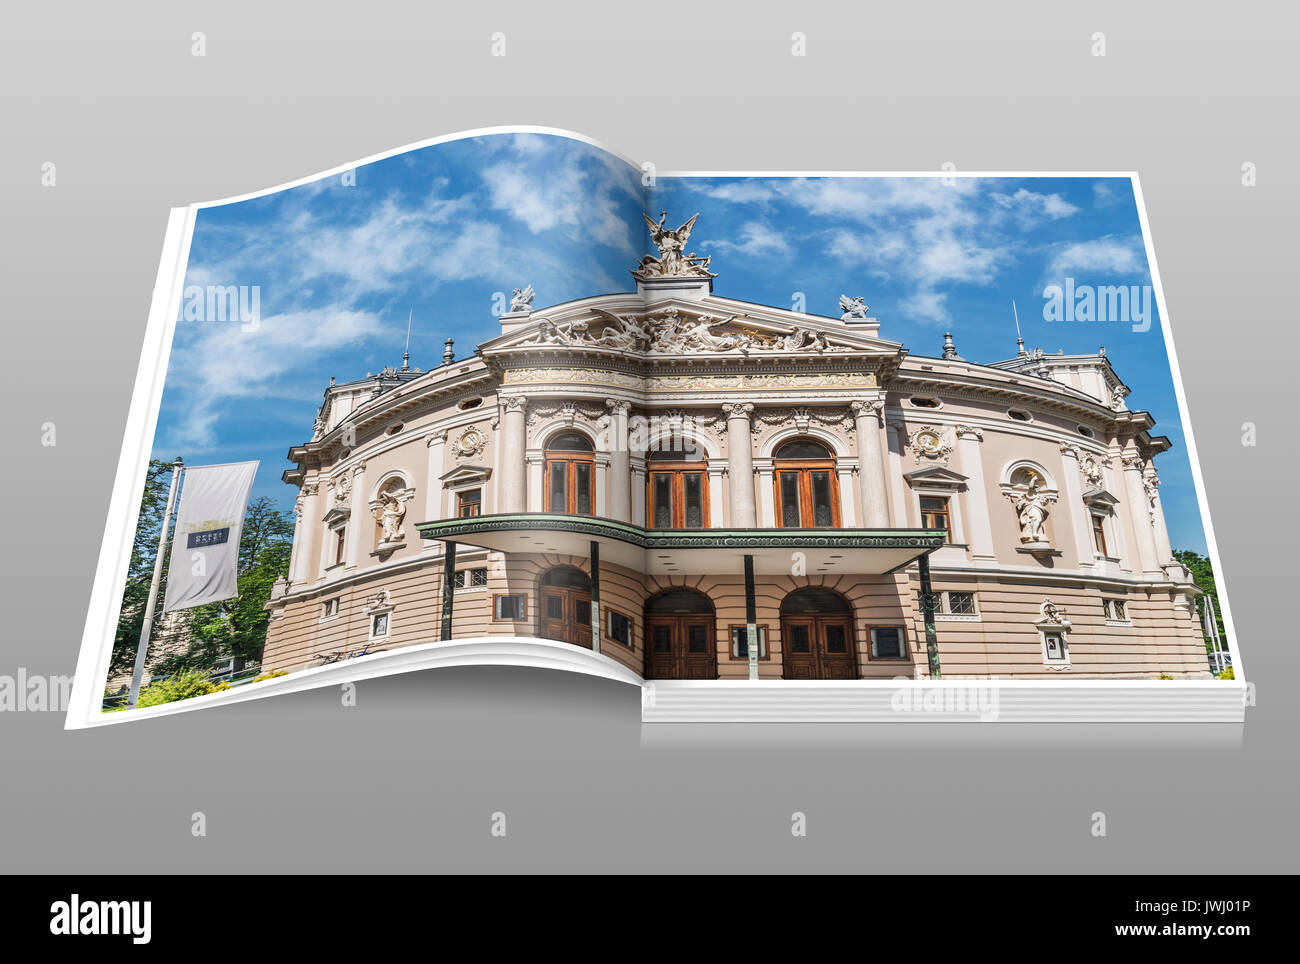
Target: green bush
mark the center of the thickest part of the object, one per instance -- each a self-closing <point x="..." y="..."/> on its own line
<point x="184" y="685"/>
<point x="1228" y="674"/>
<point x="1164" y="676"/>
<point x="271" y="675"/>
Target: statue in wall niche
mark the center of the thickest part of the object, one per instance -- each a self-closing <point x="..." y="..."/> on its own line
<point x="1031" y="508"/>
<point x="390" y="519"/>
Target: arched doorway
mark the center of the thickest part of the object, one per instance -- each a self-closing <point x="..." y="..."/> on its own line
<point x="566" y="606"/>
<point x="817" y="636"/>
<point x="681" y="636"/>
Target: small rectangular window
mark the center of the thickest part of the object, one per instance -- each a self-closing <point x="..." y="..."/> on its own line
<point x="510" y="607"/>
<point x="1054" y="644"/>
<point x="1115" y="609"/>
<point x="961" y="603"/>
<point x="478" y="577"/>
<point x="740" y="642"/>
<point x="339" y="543"/>
<point x="330" y="608"/>
<point x="620" y="628"/>
<point x="887" y="642"/>
<point x="469" y="578"/>
<point x="1099" y="534"/>
<point x="935" y="514"/>
<point x="469" y="503"/>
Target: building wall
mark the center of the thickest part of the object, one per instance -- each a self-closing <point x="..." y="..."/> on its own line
<point x="1011" y="585"/>
<point x="1001" y="642"/>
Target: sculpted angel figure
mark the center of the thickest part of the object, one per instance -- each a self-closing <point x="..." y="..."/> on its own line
<point x="673" y="260"/>
<point x="671" y="244"/>
<point x="391" y="517"/>
<point x="1031" y="507"/>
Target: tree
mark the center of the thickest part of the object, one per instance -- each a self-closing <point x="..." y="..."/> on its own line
<point x="1202" y="571"/>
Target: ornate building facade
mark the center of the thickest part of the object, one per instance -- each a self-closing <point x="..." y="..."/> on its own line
<point x="702" y="488"/>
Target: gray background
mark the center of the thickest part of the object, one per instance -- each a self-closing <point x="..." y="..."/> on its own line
<point x="407" y="779"/>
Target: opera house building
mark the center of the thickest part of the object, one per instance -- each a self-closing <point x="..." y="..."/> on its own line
<point x="698" y="488"/>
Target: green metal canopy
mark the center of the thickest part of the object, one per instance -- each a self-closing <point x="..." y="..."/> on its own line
<point x="681" y="551"/>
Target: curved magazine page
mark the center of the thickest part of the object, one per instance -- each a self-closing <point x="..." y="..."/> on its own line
<point x="767" y="446"/>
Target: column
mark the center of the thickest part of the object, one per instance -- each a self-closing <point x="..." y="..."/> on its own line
<point x="927" y="612"/>
<point x="751" y="619"/>
<point x="1140" y="514"/>
<point x="1079" y="522"/>
<point x="304" y="533"/>
<point x="740" y="464"/>
<point x="716" y="520"/>
<point x="593" y="554"/>
<point x="848" y="517"/>
<point x="638" y="495"/>
<point x="1164" y="551"/>
<point x="979" y="530"/>
<point x="535" y="468"/>
<point x="511" y="488"/>
<point x="601" y="481"/>
<point x="358" y="517"/>
<point x="433" y="502"/>
<point x="620" y="462"/>
<point x="868" y="416"/>
<point x="901" y="491"/>
<point x="448" y="588"/>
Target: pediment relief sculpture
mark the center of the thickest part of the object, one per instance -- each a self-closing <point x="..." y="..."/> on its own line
<point x="670" y="332"/>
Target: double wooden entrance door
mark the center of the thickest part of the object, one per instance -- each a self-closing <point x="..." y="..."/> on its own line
<point x="566" y="615"/>
<point x="818" y="647"/>
<point x="681" y="647"/>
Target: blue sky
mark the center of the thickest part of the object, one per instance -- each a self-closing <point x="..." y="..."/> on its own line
<point x="441" y="231"/>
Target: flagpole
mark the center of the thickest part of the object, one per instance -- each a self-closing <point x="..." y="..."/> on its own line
<point x="177" y="467"/>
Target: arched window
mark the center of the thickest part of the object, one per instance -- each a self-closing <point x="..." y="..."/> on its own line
<point x="570" y="474"/>
<point x="677" y="492"/>
<point x="807" y="489"/>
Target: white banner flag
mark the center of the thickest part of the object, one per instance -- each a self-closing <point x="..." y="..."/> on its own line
<point x="204" y="563"/>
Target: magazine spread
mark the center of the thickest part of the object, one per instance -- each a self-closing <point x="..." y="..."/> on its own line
<point x="768" y="447"/>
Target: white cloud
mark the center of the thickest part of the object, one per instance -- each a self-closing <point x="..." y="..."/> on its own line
<point x="1029" y="207"/>
<point x="1111" y="254"/>
<point x="755" y="238"/>
<point x="214" y="362"/>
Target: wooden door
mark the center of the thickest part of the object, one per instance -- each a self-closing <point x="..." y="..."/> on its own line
<point x="681" y="647"/>
<point x="818" y="647"/>
<point x="566" y="615"/>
